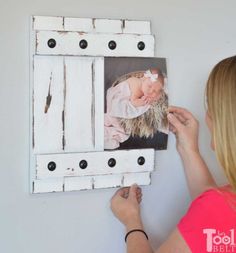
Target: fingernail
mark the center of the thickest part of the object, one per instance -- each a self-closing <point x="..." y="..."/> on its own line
<point x="169" y="115"/>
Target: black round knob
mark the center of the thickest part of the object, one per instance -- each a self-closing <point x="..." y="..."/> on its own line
<point x="111" y="162"/>
<point x="112" y="44"/>
<point x="141" y="45"/>
<point x="52" y="43"/>
<point x="83" y="164"/>
<point x="141" y="160"/>
<point x="83" y="44"/>
<point x="52" y="166"/>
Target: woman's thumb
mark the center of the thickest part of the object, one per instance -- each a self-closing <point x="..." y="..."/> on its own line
<point x="133" y="191"/>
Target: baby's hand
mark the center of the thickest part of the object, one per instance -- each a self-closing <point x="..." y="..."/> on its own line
<point x="146" y="99"/>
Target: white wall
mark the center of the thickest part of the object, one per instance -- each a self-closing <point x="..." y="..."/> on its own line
<point x="193" y="35"/>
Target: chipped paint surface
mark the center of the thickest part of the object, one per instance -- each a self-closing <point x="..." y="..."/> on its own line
<point x="69" y="126"/>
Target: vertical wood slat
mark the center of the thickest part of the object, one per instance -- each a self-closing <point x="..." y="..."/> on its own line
<point x="78" y="105"/>
<point x="98" y="87"/>
<point x="48" y="104"/>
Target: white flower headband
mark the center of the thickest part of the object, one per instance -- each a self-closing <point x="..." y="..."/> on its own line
<point x="149" y="74"/>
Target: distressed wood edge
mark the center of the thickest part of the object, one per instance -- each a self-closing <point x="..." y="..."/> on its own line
<point x="93" y="187"/>
<point x="122" y="20"/>
<point x="32" y="157"/>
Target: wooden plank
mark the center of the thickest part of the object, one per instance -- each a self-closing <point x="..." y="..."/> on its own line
<point x="48" y="23"/>
<point x="79" y="123"/>
<point x="108" y="25"/>
<point x="137" y="27"/>
<point x="78" y="183"/>
<point x="48" y="185"/>
<point x="126" y="161"/>
<point x="48" y="99"/>
<point x="98" y="87"/>
<point x="67" y="43"/>
<point x="142" y="178"/>
<point x="78" y="24"/>
<point x="108" y="181"/>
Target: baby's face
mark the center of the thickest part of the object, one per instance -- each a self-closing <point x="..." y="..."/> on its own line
<point x="152" y="89"/>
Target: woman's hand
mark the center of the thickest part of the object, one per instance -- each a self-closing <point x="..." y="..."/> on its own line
<point x="125" y="205"/>
<point x="185" y="127"/>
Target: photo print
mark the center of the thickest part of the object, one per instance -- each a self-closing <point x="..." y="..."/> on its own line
<point x="136" y="100"/>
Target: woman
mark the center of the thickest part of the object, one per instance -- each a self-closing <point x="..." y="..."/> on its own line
<point x="210" y="223"/>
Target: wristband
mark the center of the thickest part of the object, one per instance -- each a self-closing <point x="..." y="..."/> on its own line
<point x="135" y="230"/>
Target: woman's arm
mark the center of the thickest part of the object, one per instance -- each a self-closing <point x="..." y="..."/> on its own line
<point x="125" y="206"/>
<point x="185" y="127"/>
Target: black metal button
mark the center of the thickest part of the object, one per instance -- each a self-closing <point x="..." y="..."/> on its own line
<point x="141" y="45"/>
<point x="83" y="164"/>
<point x="111" y="162"/>
<point x="52" y="43"/>
<point x="83" y="44"/>
<point x="112" y="44"/>
<point x="52" y="166"/>
<point x="141" y="160"/>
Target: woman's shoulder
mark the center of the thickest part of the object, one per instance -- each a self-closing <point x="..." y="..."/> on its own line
<point x="213" y="197"/>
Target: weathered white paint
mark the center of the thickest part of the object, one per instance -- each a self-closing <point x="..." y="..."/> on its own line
<point x="68" y="164"/>
<point x="67" y="43"/>
<point x="48" y="23"/>
<point x="108" y="181"/>
<point x="137" y="27"/>
<point x="91" y="25"/>
<point x="142" y="178"/>
<point x="108" y="25"/>
<point x="47" y="120"/>
<point x="48" y="185"/>
<point x="78" y="183"/>
<point x="98" y="87"/>
<point x="78" y="24"/>
<point x="79" y="125"/>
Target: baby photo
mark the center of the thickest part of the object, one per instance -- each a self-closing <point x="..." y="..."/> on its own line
<point x="136" y="100"/>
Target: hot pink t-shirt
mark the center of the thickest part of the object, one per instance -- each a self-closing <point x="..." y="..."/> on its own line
<point x="210" y="222"/>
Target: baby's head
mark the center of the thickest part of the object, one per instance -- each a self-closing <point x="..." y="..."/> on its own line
<point x="153" y="83"/>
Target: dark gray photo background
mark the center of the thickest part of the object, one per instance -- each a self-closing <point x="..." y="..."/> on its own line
<point x="118" y="66"/>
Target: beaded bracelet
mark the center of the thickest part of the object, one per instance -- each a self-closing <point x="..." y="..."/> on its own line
<point x="135" y="230"/>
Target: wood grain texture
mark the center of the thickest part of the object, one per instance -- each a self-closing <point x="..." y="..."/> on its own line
<point x="48" y="104"/>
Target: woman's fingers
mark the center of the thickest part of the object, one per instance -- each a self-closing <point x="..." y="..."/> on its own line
<point x="175" y="121"/>
<point x="183" y="113"/>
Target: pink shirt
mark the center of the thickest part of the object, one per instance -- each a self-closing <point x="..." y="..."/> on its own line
<point x="210" y="222"/>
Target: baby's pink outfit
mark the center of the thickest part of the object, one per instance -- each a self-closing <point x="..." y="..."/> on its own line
<point x="119" y="106"/>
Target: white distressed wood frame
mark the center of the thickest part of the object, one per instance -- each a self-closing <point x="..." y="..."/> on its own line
<point x="91" y="25"/>
<point x="67" y="112"/>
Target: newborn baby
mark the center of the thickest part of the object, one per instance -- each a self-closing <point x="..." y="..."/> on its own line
<point x="146" y="89"/>
<point x="130" y="99"/>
